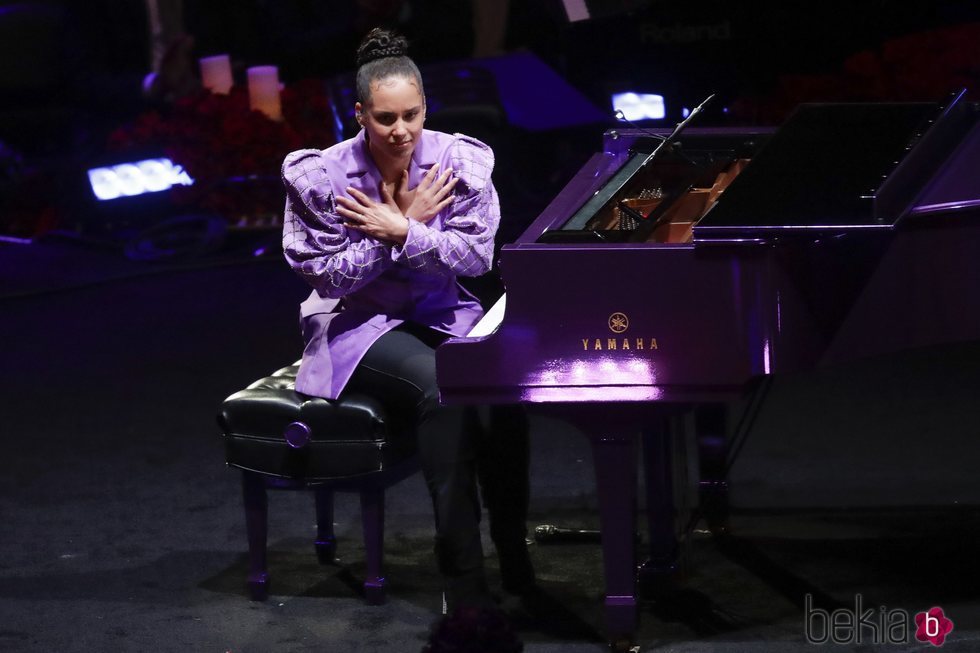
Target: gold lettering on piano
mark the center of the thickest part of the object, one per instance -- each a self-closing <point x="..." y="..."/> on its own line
<point x="624" y="344"/>
<point x="618" y="322"/>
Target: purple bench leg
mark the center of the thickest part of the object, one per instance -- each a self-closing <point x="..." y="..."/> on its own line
<point x="373" y="522"/>
<point x="326" y="541"/>
<point x="257" y="526"/>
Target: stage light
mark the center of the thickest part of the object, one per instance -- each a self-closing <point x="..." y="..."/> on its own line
<point x="136" y="178"/>
<point x="639" y="106"/>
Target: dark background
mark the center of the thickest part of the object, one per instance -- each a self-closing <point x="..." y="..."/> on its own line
<point x="74" y="67"/>
<point x="71" y="73"/>
<point x="122" y="529"/>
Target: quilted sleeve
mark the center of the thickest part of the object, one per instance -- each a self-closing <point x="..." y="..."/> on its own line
<point x="315" y="241"/>
<point x="464" y="245"/>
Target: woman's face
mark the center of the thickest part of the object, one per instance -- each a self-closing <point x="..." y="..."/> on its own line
<point x="393" y="117"/>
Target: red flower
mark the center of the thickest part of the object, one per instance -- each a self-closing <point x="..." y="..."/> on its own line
<point x="220" y="141"/>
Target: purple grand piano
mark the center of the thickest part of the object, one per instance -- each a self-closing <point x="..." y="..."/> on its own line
<point x="671" y="277"/>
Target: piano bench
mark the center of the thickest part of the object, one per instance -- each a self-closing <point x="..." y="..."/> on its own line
<point x="281" y="439"/>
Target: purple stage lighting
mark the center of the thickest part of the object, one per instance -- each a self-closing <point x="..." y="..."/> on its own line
<point x="639" y="106"/>
<point x="136" y="178"/>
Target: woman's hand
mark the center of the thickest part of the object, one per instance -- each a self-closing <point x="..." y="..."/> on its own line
<point x="433" y="194"/>
<point x="382" y="220"/>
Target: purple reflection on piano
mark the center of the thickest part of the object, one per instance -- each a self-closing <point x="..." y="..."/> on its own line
<point x="606" y="378"/>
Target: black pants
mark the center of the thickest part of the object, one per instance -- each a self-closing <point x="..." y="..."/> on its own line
<point x="457" y="445"/>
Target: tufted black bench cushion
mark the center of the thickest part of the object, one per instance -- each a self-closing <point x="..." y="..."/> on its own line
<point x="280" y="438"/>
<point x="272" y="429"/>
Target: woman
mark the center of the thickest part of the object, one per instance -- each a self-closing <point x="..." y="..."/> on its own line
<point x="381" y="225"/>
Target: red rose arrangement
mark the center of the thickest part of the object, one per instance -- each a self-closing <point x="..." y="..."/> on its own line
<point x="232" y="153"/>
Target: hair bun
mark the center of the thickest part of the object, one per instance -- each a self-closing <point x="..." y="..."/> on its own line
<point x="381" y="43"/>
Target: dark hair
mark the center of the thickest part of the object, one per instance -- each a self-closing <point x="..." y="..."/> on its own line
<point x="382" y="55"/>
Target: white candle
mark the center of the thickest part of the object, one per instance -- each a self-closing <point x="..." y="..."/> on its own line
<point x="263" y="91"/>
<point x="216" y="73"/>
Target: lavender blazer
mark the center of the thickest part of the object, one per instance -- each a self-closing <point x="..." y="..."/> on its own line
<point x="363" y="287"/>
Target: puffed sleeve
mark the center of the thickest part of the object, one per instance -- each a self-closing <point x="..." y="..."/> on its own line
<point x="464" y="245"/>
<point x="315" y="241"/>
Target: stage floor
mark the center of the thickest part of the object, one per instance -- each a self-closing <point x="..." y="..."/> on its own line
<point x="123" y="530"/>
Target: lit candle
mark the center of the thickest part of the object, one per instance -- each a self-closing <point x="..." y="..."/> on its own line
<point x="216" y="73"/>
<point x="263" y="91"/>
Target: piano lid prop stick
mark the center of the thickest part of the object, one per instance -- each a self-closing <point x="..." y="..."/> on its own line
<point x="679" y="128"/>
<point x="619" y="115"/>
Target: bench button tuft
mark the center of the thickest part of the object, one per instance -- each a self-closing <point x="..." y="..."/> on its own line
<point x="297" y="435"/>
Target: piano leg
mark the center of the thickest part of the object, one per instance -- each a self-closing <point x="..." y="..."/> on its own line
<point x="658" y="467"/>
<point x="709" y="421"/>
<point x="614" y="455"/>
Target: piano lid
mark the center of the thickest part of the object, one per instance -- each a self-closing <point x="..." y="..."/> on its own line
<point x="957" y="185"/>
<point x="637" y="170"/>
<point x="838" y="167"/>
